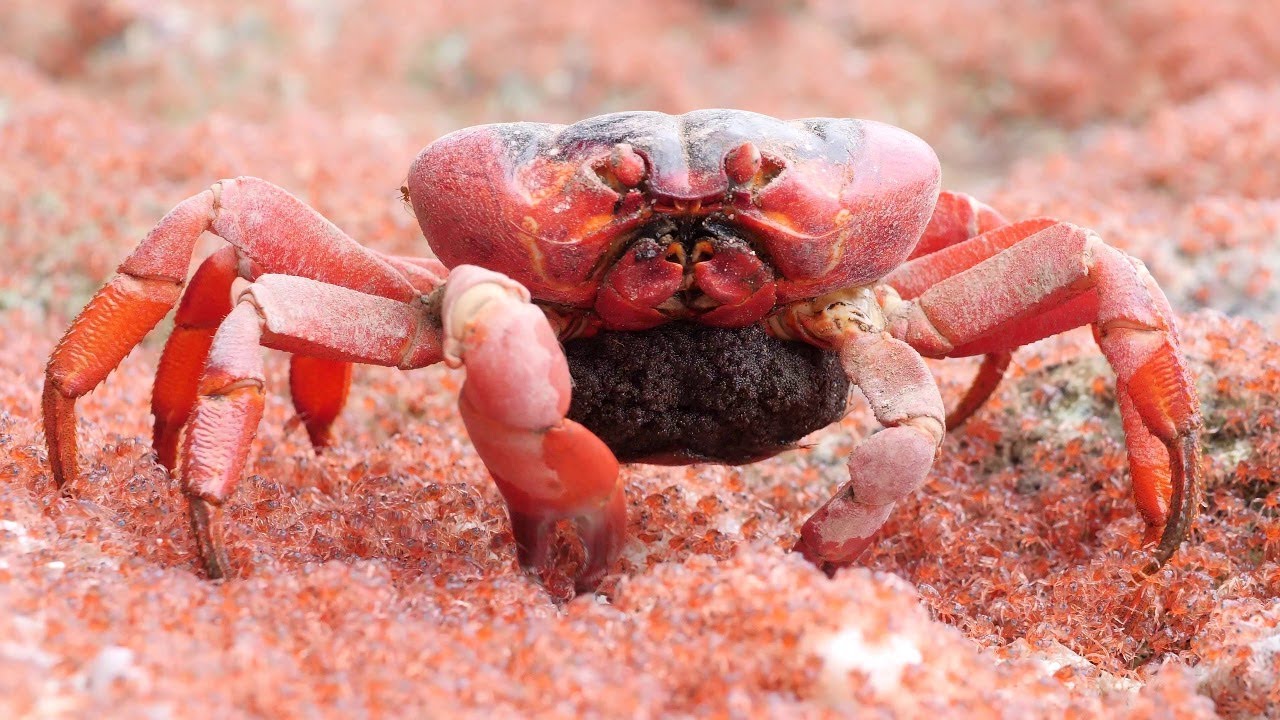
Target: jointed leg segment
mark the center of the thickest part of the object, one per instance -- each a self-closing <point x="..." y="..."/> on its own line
<point x="295" y="315"/>
<point x="205" y="304"/>
<point x="956" y="219"/>
<point x="1048" y="277"/>
<point x="904" y="397"/>
<point x="335" y="304"/>
<point x="269" y="231"/>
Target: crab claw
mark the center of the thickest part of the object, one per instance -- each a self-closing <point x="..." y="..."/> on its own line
<point x="735" y="278"/>
<point x="643" y="278"/>
<point x="601" y="522"/>
<point x="513" y="404"/>
<point x="565" y="473"/>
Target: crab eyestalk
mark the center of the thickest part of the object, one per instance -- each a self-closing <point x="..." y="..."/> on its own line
<point x="622" y="169"/>
<point x="742" y="163"/>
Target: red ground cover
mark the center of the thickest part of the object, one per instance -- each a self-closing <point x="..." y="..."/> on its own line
<point x="379" y="579"/>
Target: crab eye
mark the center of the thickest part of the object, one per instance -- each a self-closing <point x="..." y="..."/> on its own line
<point x="745" y="165"/>
<point x="743" y="162"/>
<point x="622" y="170"/>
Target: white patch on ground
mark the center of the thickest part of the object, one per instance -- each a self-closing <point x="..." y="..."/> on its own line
<point x="1237" y="452"/>
<point x="112" y="663"/>
<point x="28" y="655"/>
<point x="1265" y="650"/>
<point x="22" y="539"/>
<point x="881" y="662"/>
<point x="729" y="524"/>
<point x="1056" y="656"/>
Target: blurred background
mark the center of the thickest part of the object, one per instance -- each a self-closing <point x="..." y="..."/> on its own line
<point x="1101" y="96"/>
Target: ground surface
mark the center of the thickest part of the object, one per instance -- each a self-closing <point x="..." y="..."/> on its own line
<point x="379" y="579"/>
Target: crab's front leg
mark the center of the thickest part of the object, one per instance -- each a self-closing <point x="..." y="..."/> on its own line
<point x="297" y="315"/>
<point x="513" y="403"/>
<point x="905" y="399"/>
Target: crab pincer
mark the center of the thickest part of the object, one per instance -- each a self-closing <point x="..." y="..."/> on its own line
<point x="514" y="401"/>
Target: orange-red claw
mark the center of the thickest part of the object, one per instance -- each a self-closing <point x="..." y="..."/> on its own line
<point x="513" y="404"/>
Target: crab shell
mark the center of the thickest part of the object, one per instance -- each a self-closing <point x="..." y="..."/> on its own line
<point x="826" y="203"/>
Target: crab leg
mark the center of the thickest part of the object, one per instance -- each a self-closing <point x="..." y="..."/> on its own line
<point x="956" y="218"/>
<point x="319" y="386"/>
<point x="204" y="306"/>
<point x="513" y="403"/>
<point x="1051" y="279"/>
<point x="319" y="390"/>
<point x="271" y="231"/>
<point x="904" y="397"/>
<point x="296" y="315"/>
<point x="985" y="382"/>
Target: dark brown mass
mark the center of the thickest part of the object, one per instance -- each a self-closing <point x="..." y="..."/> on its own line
<point x="687" y="392"/>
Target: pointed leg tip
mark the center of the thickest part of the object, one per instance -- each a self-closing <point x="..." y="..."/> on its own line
<point x="60" y="434"/>
<point x="206" y="524"/>
<point x="165" y="442"/>
<point x="603" y="532"/>
<point x="1185" y="457"/>
<point x="321" y="439"/>
<point x="531" y="536"/>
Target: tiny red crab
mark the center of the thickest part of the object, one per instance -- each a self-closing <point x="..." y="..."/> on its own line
<point x="709" y="285"/>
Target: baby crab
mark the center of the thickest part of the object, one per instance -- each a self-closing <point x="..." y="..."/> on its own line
<point x="707" y="284"/>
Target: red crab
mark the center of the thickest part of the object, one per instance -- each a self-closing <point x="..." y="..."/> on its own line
<point x="708" y="284"/>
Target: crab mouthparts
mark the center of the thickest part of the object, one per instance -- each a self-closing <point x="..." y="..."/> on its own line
<point x="712" y="278"/>
<point x="690" y="298"/>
